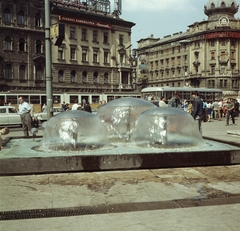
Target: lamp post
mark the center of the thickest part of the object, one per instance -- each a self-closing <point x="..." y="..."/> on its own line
<point x="184" y="43"/>
<point x="134" y="66"/>
<point x="48" y="61"/>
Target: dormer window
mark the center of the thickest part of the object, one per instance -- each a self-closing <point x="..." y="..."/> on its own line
<point x="223" y="5"/>
<point x="212" y="6"/>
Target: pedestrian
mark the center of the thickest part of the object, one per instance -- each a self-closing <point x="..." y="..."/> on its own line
<point x="87" y="107"/>
<point x="230" y="111"/>
<point x="236" y="107"/>
<point x="197" y="110"/>
<point x="24" y="110"/>
<point x="185" y="105"/>
<point x="35" y="126"/>
<point x="190" y="108"/>
<point x="162" y="102"/>
<point x="215" y="109"/>
<point x="220" y="105"/>
<point x="209" y="111"/>
<point x="75" y="106"/>
<point x="44" y="107"/>
<point x="3" y="131"/>
<point x="175" y="101"/>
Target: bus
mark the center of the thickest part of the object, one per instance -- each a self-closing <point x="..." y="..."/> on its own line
<point x="155" y="93"/>
<point x="39" y="98"/>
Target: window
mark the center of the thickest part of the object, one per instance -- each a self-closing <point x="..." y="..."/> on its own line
<point x="232" y="55"/>
<point x="22" y="72"/>
<point x="73" y="53"/>
<point x="106" y="57"/>
<point x="121" y="58"/>
<point x="38" y="20"/>
<point x="84" y="55"/>
<point x="84" y="34"/>
<point x="8" y="44"/>
<point x="7" y="16"/>
<point x="105" y="37"/>
<point x="120" y="39"/>
<point x="223" y="42"/>
<point x="212" y="55"/>
<point x="60" y="75"/>
<point x="60" y="53"/>
<point x="8" y="71"/>
<point x="73" y="76"/>
<point x="211" y="83"/>
<point x="39" y="73"/>
<point x="95" y="56"/>
<point x="20" y="18"/>
<point x="105" y="77"/>
<point x="21" y="44"/>
<point x="95" y="77"/>
<point x="38" y="46"/>
<point x="223" y="55"/>
<point x="95" y="36"/>
<point x="72" y="32"/>
<point x="84" y="77"/>
<point x="213" y="69"/>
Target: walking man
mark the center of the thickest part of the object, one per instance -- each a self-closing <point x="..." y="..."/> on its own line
<point x="24" y="110"/>
<point x="230" y="111"/>
<point x="197" y="110"/>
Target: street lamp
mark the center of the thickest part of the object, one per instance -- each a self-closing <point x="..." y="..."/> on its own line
<point x="134" y="66"/>
<point x="48" y="61"/>
<point x="184" y="43"/>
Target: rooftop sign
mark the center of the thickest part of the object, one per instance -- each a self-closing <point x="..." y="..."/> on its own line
<point x="84" y="22"/>
<point x="223" y="34"/>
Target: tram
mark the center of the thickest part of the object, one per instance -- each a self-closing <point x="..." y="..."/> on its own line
<point x="39" y="98"/>
<point x="155" y="93"/>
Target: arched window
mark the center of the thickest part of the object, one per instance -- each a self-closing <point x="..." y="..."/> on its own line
<point x="8" y="71"/>
<point x="73" y="76"/>
<point x="84" y="77"/>
<point x="8" y="44"/>
<point x="7" y="16"/>
<point x="105" y="77"/>
<point x="38" y="46"/>
<point x="21" y="44"/>
<point x="95" y="77"/>
<point x="39" y="73"/>
<point x="21" y="72"/>
<point x="223" y="4"/>
<point x="60" y="75"/>
<point x="212" y="6"/>
<point x="38" y="22"/>
<point x="20" y="18"/>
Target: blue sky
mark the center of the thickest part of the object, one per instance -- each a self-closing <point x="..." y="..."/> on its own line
<point x="162" y="17"/>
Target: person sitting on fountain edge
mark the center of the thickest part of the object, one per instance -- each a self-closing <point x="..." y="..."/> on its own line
<point x="3" y="131"/>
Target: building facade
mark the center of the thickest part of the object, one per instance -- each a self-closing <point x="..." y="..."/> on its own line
<point x="22" y="39"/>
<point x="94" y="55"/>
<point x="206" y="55"/>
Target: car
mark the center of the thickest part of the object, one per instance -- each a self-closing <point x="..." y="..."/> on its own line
<point x="9" y="116"/>
<point x="42" y="116"/>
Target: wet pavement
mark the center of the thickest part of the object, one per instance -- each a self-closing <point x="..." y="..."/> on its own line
<point x="197" y="198"/>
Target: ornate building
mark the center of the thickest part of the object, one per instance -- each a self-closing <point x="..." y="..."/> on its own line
<point x="206" y="55"/>
<point x="94" y="55"/>
<point x="22" y="41"/>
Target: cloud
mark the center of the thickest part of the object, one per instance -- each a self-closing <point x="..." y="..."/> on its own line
<point x="156" y="5"/>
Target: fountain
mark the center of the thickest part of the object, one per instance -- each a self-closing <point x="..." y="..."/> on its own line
<point x="127" y="133"/>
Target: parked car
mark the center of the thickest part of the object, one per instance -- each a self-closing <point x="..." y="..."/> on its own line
<point x="9" y="116"/>
<point x="42" y="116"/>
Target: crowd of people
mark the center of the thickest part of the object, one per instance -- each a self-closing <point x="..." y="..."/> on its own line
<point x="200" y="109"/>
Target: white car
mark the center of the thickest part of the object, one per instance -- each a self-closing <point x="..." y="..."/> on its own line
<point x="42" y="116"/>
<point x="9" y="116"/>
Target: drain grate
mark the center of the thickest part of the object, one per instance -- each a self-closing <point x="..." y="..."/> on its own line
<point x="117" y="208"/>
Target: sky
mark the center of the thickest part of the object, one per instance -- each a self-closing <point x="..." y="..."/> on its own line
<point x="162" y="17"/>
